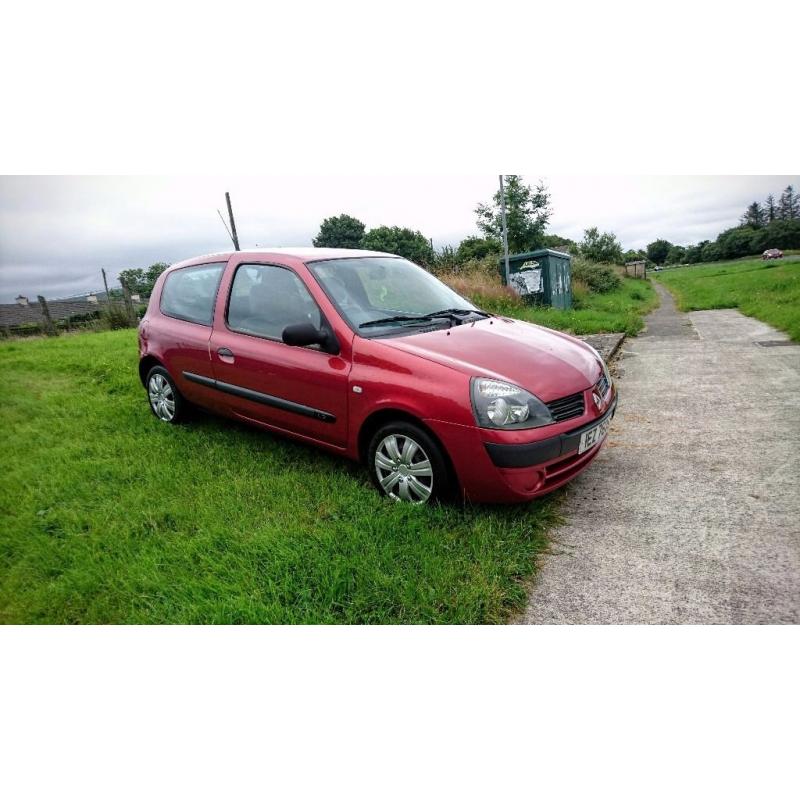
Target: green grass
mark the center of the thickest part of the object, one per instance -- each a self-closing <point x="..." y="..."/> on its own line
<point x="766" y="290"/>
<point x="619" y="311"/>
<point x="109" y="516"/>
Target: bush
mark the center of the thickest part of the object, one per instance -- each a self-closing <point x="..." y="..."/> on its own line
<point x="445" y="260"/>
<point x="476" y="247"/>
<point x="599" y="278"/>
<point x="479" y="281"/>
<point x="580" y="293"/>
<point x="114" y="317"/>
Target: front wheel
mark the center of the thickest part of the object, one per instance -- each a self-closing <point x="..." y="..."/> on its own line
<point x="406" y="464"/>
<point x="166" y="402"/>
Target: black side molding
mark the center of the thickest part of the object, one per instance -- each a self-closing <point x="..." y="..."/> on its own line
<point x="529" y="455"/>
<point x="260" y="397"/>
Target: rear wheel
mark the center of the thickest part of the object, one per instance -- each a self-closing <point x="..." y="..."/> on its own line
<point x="166" y="402"/>
<point x="406" y="464"/>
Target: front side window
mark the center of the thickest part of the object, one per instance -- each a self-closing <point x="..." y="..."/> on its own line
<point x="189" y="293"/>
<point x="265" y="300"/>
<point x="374" y="288"/>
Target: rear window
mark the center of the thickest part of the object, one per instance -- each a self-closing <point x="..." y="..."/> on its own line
<point x="189" y="293"/>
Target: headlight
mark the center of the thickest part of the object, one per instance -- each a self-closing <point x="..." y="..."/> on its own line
<point x="498" y="404"/>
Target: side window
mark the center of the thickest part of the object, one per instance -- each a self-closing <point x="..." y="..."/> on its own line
<point x="189" y="293"/>
<point x="265" y="299"/>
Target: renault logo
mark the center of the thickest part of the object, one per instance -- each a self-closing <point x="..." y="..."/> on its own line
<point x="598" y="401"/>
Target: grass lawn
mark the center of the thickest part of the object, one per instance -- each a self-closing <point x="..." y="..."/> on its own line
<point x="109" y="516"/>
<point x="766" y="290"/>
<point x="619" y="311"/>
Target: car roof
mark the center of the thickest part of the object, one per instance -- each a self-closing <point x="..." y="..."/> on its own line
<point x="303" y="253"/>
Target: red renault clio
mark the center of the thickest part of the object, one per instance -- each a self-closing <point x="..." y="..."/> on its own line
<point x="368" y="355"/>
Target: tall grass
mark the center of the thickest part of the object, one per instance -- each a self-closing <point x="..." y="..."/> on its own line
<point x="619" y="308"/>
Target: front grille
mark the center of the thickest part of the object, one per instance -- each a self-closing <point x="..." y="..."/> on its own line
<point x="567" y="407"/>
<point x="601" y="387"/>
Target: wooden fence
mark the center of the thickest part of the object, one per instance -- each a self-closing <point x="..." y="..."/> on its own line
<point x="109" y="315"/>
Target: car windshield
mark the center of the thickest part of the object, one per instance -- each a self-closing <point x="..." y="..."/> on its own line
<point x="381" y="295"/>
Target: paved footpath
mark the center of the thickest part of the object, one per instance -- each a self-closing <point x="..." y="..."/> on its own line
<point x="691" y="514"/>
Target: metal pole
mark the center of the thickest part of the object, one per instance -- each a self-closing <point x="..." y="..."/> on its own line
<point x="234" y="235"/>
<point x="505" y="227"/>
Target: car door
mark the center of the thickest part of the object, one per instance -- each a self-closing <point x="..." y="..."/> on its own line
<point x="301" y="390"/>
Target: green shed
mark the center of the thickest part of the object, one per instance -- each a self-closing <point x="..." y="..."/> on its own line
<point x="541" y="277"/>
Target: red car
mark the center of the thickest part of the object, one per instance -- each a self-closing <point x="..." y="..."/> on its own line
<point x="370" y="356"/>
<point x="767" y="255"/>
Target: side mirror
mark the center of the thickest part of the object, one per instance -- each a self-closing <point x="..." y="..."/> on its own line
<point x="304" y="333"/>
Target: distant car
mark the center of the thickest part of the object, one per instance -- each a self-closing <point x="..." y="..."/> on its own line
<point x="370" y="356"/>
<point x="772" y="253"/>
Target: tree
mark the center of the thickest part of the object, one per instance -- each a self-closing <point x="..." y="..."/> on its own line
<point x="710" y="252"/>
<point x="754" y="216"/>
<point x="657" y="251"/>
<point x="634" y="255"/>
<point x="141" y="281"/>
<point x="400" y="241"/>
<point x="153" y="272"/>
<point x="789" y="204"/>
<point x="600" y="247"/>
<point x="556" y="242"/>
<point x="759" y="242"/>
<point x="135" y="280"/>
<point x="527" y="214"/>
<point x="676" y="255"/>
<point x="477" y="247"/>
<point x="770" y="209"/>
<point x="694" y="253"/>
<point x="736" y="242"/>
<point x="341" y="231"/>
<point x="783" y="234"/>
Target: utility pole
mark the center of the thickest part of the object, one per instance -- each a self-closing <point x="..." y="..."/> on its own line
<point x="105" y="283"/>
<point x="133" y="319"/>
<point x="234" y="236"/>
<point x="49" y="327"/>
<point x="505" y="227"/>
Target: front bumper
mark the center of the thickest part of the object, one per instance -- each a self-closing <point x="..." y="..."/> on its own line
<point x="491" y="470"/>
<point x="528" y="455"/>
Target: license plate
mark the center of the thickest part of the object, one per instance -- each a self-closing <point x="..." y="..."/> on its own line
<point x="594" y="435"/>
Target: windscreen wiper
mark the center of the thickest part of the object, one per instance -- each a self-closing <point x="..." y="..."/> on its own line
<point x="464" y="311"/>
<point x="403" y="318"/>
<point x="453" y="314"/>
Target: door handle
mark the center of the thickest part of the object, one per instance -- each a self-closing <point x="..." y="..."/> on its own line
<point x="224" y="353"/>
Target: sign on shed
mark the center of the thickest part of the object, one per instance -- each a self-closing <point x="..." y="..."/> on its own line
<point x="542" y="277"/>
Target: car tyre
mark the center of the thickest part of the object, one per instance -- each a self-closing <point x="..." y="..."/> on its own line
<point x="407" y="465"/>
<point x="166" y="402"/>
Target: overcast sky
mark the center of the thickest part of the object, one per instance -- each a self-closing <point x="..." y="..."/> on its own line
<point x="57" y="232"/>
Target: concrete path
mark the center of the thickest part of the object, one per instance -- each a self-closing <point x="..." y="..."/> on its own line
<point x="691" y="514"/>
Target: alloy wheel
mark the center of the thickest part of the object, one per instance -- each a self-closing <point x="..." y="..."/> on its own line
<point x="162" y="398"/>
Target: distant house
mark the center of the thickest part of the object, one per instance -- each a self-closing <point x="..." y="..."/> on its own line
<point x="25" y="312"/>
